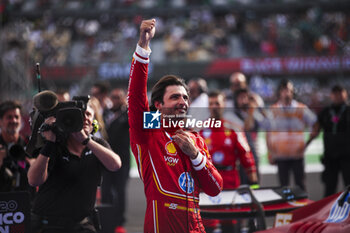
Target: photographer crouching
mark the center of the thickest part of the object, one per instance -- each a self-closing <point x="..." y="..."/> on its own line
<point x="68" y="171"/>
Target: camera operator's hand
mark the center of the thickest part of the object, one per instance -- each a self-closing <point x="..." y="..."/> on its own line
<point x="37" y="173"/>
<point x="80" y="136"/>
<point x="49" y="135"/>
<point x="107" y="157"/>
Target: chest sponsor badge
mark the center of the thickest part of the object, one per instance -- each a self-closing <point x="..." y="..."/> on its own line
<point x="206" y="133"/>
<point x="171" y="161"/>
<point x="228" y="141"/>
<point x="186" y="182"/>
<point x="170" y="148"/>
<point x="218" y="157"/>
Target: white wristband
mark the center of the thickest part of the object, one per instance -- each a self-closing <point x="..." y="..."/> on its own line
<point x="199" y="162"/>
<point x="141" y="54"/>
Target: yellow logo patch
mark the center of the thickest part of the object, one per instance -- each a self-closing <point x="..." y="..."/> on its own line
<point x="228" y="133"/>
<point x="170" y="148"/>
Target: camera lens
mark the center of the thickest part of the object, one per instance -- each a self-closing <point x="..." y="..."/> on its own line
<point x="70" y="120"/>
<point x="17" y="152"/>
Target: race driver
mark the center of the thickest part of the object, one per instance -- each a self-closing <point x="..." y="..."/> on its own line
<point x="173" y="164"/>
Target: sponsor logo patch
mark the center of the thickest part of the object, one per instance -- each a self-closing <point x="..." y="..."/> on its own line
<point x="338" y="213"/>
<point x="170" y="148"/>
<point x="171" y="161"/>
<point x="186" y="182"/>
<point x="218" y="157"/>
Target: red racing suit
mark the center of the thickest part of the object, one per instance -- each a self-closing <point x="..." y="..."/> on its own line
<point x="167" y="173"/>
<point x="226" y="146"/>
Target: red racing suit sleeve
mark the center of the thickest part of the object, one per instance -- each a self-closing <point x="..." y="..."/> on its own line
<point x="137" y="94"/>
<point x="244" y="153"/>
<point x="210" y="180"/>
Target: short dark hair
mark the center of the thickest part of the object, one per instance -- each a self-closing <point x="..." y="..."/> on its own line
<point x="238" y="93"/>
<point x="158" y="89"/>
<point x="9" y="105"/>
<point x="202" y="84"/>
<point x="215" y="93"/>
<point x="102" y="86"/>
<point x="61" y="91"/>
<point x="283" y="84"/>
<point x="338" y="88"/>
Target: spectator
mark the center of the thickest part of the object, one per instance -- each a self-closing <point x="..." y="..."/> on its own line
<point x="250" y="120"/>
<point x="226" y="147"/>
<point x="100" y="90"/>
<point x="95" y="105"/>
<point x="14" y="163"/>
<point x="334" y="120"/>
<point x="85" y="41"/>
<point x="115" y="183"/>
<point x="198" y="92"/>
<point x="173" y="163"/>
<point x="198" y="99"/>
<point x="68" y="174"/>
<point x="285" y="138"/>
<point x="239" y="81"/>
<point x="62" y="95"/>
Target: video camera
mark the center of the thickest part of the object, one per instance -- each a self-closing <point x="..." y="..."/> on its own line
<point x="69" y="118"/>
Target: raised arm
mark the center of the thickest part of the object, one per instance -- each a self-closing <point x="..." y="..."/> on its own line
<point x="147" y="31"/>
<point x="37" y="173"/>
<point x="108" y="158"/>
<point x="137" y="93"/>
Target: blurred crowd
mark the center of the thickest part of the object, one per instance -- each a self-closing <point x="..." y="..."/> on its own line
<point x="111" y="4"/>
<point x="286" y="122"/>
<point x="193" y="34"/>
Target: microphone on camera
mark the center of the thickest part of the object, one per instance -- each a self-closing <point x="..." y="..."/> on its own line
<point x="45" y="101"/>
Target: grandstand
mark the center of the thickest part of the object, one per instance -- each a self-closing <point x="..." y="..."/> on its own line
<point x="83" y="41"/>
<point x="78" y="42"/>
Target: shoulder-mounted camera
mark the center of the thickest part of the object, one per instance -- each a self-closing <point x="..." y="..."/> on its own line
<point x="69" y="117"/>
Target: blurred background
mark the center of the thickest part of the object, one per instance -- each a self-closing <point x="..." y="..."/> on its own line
<point x="80" y="42"/>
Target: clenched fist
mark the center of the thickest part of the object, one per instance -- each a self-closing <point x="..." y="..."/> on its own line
<point x="147" y="31"/>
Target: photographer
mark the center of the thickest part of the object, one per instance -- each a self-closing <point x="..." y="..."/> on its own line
<point x="68" y="174"/>
<point x="13" y="163"/>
